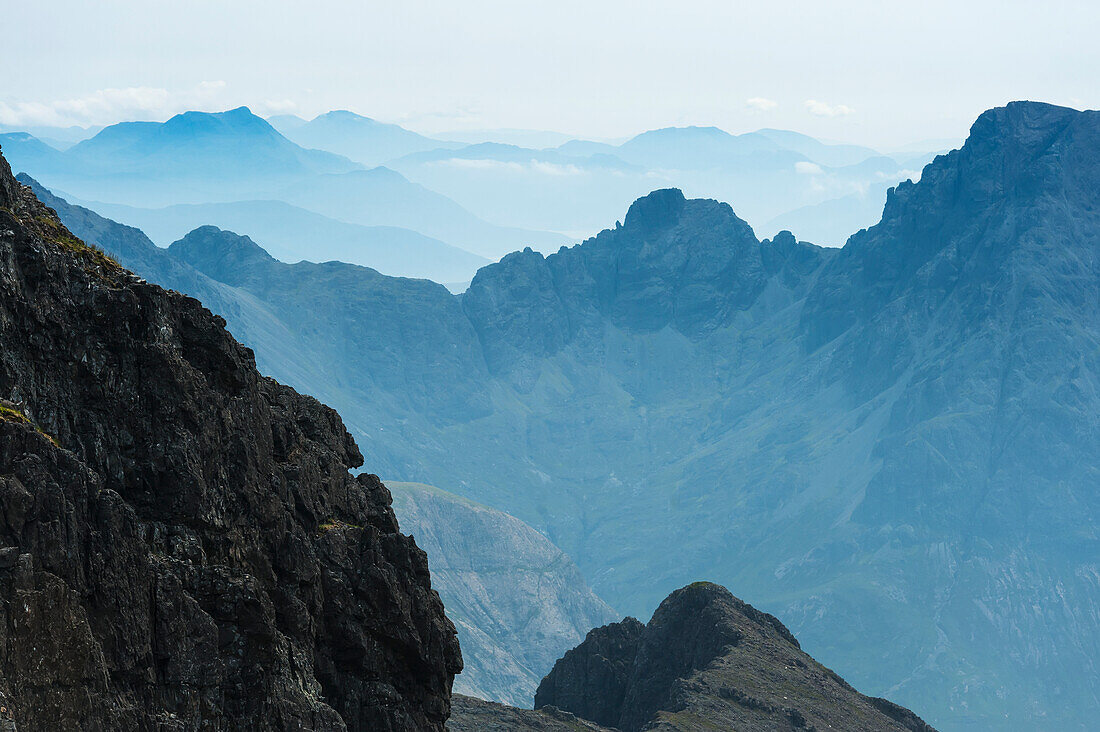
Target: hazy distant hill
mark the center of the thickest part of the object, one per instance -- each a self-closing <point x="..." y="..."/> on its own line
<point x="284" y="123"/>
<point x="832" y="155"/>
<point x="57" y="137"/>
<point x="192" y="158"/>
<point x="236" y="144"/>
<point x="830" y="219"/>
<point x="536" y="139"/>
<point x="361" y="139"/>
<point x="24" y="150"/>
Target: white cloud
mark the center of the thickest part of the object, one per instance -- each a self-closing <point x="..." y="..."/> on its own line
<point x="805" y="167"/>
<point x="761" y="104"/>
<point x="107" y="106"/>
<point x="824" y="109"/>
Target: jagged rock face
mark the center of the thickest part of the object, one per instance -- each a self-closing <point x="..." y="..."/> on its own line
<point x="706" y="660"/>
<point x="181" y="544"/>
<point x="517" y="601"/>
<point x="688" y="265"/>
<point x="593" y="679"/>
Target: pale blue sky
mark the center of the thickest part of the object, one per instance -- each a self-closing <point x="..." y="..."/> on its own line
<point x="882" y="73"/>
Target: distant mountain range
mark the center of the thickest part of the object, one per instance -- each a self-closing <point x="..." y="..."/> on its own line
<point x="244" y="160"/>
<point x="891" y="446"/>
<point x="488" y="197"/>
<point x="578" y="186"/>
<point x="158" y="164"/>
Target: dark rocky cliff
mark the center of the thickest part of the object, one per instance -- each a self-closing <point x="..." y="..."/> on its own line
<point x="708" y="661"/>
<point x="181" y="543"/>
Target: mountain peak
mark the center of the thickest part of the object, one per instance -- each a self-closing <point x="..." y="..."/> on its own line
<point x="220" y="254"/>
<point x="688" y="132"/>
<point x="659" y="209"/>
<point x="240" y="118"/>
<point x="342" y="115"/>
<point x="746" y="671"/>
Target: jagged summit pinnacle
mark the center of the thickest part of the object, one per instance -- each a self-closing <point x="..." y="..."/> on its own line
<point x="659" y="208"/>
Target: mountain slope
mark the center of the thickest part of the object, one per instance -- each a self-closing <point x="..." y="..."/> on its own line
<point x="175" y="522"/>
<point x="383" y="197"/>
<point x="706" y="660"/>
<point x="819" y="152"/>
<point x="518" y="602"/>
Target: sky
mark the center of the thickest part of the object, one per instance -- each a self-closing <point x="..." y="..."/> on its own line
<point x="877" y="73"/>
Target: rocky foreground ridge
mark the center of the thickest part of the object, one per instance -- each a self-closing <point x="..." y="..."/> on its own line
<point x="181" y="543"/>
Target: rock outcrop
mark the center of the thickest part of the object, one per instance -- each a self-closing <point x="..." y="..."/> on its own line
<point x="706" y="660"/>
<point x="181" y="543"/>
<point x="517" y="600"/>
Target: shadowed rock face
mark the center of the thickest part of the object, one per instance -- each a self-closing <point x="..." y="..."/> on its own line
<point x="593" y="679"/>
<point x="181" y="542"/>
<point x="706" y="660"/>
